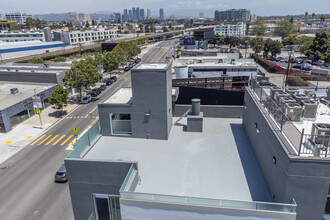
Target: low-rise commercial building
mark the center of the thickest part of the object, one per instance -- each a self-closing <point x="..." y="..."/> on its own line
<point x="18" y="17"/>
<point x="16" y="104"/>
<point x="75" y="37"/>
<point x="17" y="36"/>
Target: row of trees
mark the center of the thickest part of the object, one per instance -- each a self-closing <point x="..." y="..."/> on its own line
<point x="84" y="73"/>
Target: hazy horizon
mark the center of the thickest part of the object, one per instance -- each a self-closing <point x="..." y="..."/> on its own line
<point x="183" y="8"/>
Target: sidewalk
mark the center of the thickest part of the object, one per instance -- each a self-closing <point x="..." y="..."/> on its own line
<point x="27" y="131"/>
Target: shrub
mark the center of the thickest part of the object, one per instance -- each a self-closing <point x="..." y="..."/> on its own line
<point x="60" y="59"/>
<point x="296" y="81"/>
<point x="37" y="60"/>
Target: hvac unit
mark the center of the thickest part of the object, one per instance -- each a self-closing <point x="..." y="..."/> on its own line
<point x="279" y="95"/>
<point x="274" y="90"/>
<point x="292" y="90"/>
<point x="284" y="100"/>
<point x="321" y="133"/>
<point x="293" y="111"/>
<point x="309" y="108"/>
<point x="300" y="97"/>
<point x="328" y="93"/>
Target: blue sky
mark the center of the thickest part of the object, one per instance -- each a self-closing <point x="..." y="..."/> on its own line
<point x="181" y="7"/>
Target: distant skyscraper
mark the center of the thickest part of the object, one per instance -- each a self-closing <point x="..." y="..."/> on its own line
<point x="137" y="13"/>
<point x="125" y="16"/>
<point x="134" y="14"/>
<point x="161" y="14"/>
<point x="233" y="15"/>
<point x="141" y="14"/>
<point x="130" y="15"/>
<point x="148" y="13"/>
<point x="201" y="15"/>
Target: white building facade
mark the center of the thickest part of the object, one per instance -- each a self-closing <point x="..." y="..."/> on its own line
<point x="22" y="36"/>
<point x="18" y="17"/>
<point x="74" y="37"/>
<point x="235" y="30"/>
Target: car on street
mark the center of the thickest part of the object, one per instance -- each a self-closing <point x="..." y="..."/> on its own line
<point x="138" y="60"/>
<point x="127" y="68"/>
<point x="306" y="67"/>
<point x="61" y="175"/>
<point x="317" y="63"/>
<point x="86" y="99"/>
<point x="114" y="78"/>
<point x="103" y="87"/>
<point x="109" y="82"/>
<point x="266" y="83"/>
<point x="95" y="92"/>
<point x="297" y="66"/>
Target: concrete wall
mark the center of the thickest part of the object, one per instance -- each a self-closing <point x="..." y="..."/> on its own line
<point x="88" y="177"/>
<point x="152" y="94"/>
<point x="10" y="76"/>
<point x="306" y="179"/>
<point x="213" y="111"/>
<point x="138" y="210"/>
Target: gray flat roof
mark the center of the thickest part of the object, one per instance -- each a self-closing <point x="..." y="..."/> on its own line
<point x="122" y="96"/>
<point x="152" y="66"/>
<point x="25" y="91"/>
<point x="218" y="163"/>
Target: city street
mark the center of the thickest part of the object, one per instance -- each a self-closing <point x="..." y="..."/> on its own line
<point x="27" y="187"/>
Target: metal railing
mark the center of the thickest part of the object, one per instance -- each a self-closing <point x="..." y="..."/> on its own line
<point x="221" y="203"/>
<point x="85" y="141"/>
<point x="284" y="123"/>
<point x="91" y="217"/>
<point x="316" y="145"/>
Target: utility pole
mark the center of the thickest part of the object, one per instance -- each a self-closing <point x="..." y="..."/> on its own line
<point x="285" y="79"/>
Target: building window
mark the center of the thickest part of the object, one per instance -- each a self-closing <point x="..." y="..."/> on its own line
<point x="121" y="123"/>
<point x="107" y="207"/>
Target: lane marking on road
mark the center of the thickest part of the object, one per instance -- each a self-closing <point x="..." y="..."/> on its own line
<point x="9" y="142"/>
<point x="51" y="140"/>
<point x="28" y="137"/>
<point x="59" y="139"/>
<point x="66" y="140"/>
<point x="157" y="54"/>
<point x="38" y="140"/>
<point x="162" y="55"/>
<point x="45" y="139"/>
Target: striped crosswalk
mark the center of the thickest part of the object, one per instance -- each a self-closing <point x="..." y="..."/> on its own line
<point x="56" y="139"/>
<point x="76" y="117"/>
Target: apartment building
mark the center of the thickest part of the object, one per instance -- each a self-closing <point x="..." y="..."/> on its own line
<point x="233" y="15"/>
<point x="74" y="37"/>
<point x="236" y="30"/>
<point x="158" y="160"/>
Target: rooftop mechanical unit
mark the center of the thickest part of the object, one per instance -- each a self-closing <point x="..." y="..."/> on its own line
<point x="279" y="95"/>
<point x="328" y="93"/>
<point x="292" y="90"/>
<point x="284" y="100"/>
<point x="309" y="108"/>
<point x="300" y="97"/>
<point x="293" y="111"/>
<point x="273" y="91"/>
<point x="321" y="134"/>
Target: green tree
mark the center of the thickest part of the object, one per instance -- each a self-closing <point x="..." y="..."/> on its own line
<point x="165" y="29"/>
<point x="313" y="15"/>
<point x="259" y="28"/>
<point x="275" y="48"/>
<point x="322" y="18"/>
<point x="290" y="40"/>
<point x="306" y="14"/>
<point x="320" y="49"/>
<point x="81" y="74"/>
<point x="284" y="29"/>
<point x="59" y="97"/>
<point x="267" y="46"/>
<point x="87" y="24"/>
<point x="231" y="41"/>
<point x="257" y="44"/>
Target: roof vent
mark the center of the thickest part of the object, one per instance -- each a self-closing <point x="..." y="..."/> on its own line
<point x="14" y="91"/>
<point x="195" y="117"/>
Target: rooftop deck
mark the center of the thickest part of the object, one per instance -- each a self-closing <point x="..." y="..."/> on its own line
<point x="218" y="163"/>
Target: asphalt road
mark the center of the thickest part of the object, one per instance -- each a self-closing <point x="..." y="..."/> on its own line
<point x="27" y="187"/>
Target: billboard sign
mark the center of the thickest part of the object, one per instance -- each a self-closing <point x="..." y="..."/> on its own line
<point x="187" y="41"/>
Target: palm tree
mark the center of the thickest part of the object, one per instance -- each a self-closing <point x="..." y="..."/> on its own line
<point x="322" y="18"/>
<point x="306" y="14"/>
<point x="313" y="15"/>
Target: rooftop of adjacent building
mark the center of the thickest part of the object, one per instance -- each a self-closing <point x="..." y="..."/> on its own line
<point x="217" y="163"/>
<point x="24" y="91"/>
